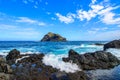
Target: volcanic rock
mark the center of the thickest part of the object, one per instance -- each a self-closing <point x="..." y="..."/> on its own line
<point x="94" y="60"/>
<point x="112" y="44"/>
<point x="53" y="37"/>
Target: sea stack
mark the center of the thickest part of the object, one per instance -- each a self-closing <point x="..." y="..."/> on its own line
<point x="53" y="37"/>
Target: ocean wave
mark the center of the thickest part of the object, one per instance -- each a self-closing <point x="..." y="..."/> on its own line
<point x="56" y="62"/>
<point x="89" y="45"/>
<point x="115" y="52"/>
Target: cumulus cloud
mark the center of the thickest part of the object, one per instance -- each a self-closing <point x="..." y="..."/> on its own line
<point x="66" y="19"/>
<point x="30" y="21"/>
<point x="108" y="17"/>
<point x="102" y="11"/>
<point x="34" y="2"/>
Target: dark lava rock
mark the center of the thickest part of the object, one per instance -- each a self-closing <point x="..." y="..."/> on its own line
<point x="95" y="60"/>
<point x="5" y="70"/>
<point x="53" y="37"/>
<point x="32" y="58"/>
<point x="32" y="68"/>
<point x="112" y="44"/>
<point x="12" y="56"/>
<point x="80" y="75"/>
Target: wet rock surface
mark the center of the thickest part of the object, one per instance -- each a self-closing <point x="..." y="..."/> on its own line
<point x="12" y="56"/>
<point x="32" y="68"/>
<point x="112" y="44"/>
<point x="5" y="70"/>
<point x="92" y="61"/>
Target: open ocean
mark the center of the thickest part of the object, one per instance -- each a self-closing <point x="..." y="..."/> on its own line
<point x="54" y="52"/>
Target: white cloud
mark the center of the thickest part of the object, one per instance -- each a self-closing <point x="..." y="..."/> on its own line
<point x="25" y="1"/>
<point x="66" y="19"/>
<point x="35" y="6"/>
<point x="108" y="17"/>
<point x="48" y="13"/>
<point x="108" y="35"/>
<point x="53" y="18"/>
<point x="93" y="1"/>
<point x="95" y="30"/>
<point x="30" y="21"/>
<point x="34" y="2"/>
<point x="82" y="15"/>
<point x="102" y="11"/>
<point x="46" y="3"/>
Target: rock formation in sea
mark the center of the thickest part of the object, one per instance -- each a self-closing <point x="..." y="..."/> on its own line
<point x="53" y="37"/>
<point x="93" y="60"/>
<point x="112" y="44"/>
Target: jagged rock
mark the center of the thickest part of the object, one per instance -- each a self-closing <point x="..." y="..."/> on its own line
<point x="32" y="58"/>
<point x="32" y="68"/>
<point x="112" y="44"/>
<point x="12" y="56"/>
<point x="4" y="76"/>
<point x="53" y="37"/>
<point x="95" y="60"/>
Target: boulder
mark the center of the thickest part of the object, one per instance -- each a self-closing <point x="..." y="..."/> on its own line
<point x="32" y="58"/>
<point x="12" y="56"/>
<point x="53" y="37"/>
<point x="112" y="44"/>
<point x="94" y="60"/>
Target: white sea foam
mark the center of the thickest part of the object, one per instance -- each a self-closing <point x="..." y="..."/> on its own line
<point x="56" y="62"/>
<point x="115" y="52"/>
<point x="92" y="45"/>
<point x="21" y="58"/>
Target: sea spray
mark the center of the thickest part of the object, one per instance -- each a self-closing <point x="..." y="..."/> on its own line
<point x="56" y="62"/>
<point x="115" y="52"/>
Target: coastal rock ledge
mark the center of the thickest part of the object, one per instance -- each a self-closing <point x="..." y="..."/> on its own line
<point x="94" y="60"/>
<point x="53" y="37"/>
<point x="112" y="44"/>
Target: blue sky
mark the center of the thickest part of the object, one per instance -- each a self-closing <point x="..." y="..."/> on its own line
<point x="73" y="19"/>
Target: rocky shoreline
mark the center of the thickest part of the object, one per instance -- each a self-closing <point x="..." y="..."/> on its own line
<point x="16" y="66"/>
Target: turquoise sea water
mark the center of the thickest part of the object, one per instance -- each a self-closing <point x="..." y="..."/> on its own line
<point x="54" y="52"/>
<point x="49" y="47"/>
